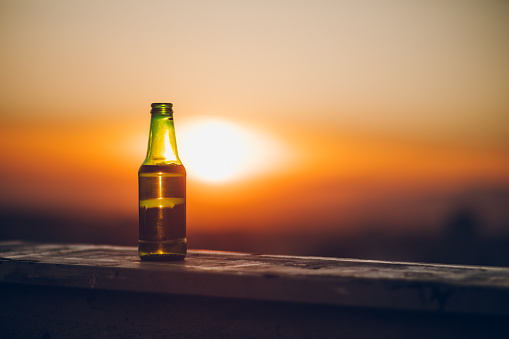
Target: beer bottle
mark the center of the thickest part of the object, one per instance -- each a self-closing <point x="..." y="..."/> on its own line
<point x="162" y="192"/>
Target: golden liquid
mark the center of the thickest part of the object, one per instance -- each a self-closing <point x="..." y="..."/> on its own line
<point x="162" y="196"/>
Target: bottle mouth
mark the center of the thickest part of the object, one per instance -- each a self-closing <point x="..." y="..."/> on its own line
<point x="162" y="108"/>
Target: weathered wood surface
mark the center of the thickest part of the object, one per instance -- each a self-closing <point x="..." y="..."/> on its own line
<point x="315" y="280"/>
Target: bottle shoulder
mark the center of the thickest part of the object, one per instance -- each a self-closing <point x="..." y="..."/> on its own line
<point x="170" y="168"/>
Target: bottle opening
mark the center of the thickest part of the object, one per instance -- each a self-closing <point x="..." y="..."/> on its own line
<point x="162" y="108"/>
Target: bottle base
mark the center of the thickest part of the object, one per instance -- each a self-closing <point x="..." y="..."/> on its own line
<point x="173" y="250"/>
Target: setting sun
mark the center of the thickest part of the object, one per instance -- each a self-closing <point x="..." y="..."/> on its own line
<point x="216" y="150"/>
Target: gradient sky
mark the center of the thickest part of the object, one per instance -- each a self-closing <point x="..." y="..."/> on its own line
<point x="378" y="102"/>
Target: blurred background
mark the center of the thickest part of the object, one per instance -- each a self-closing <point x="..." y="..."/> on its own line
<point x="365" y="129"/>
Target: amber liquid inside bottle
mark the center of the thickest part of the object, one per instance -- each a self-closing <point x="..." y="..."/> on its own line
<point x="162" y="212"/>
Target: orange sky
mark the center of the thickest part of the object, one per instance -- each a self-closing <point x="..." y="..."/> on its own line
<point x="379" y="104"/>
<point x="331" y="180"/>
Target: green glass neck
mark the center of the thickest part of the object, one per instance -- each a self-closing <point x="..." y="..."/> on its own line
<point x="162" y="145"/>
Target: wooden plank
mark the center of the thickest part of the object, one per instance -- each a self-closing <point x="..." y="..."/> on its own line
<point x="29" y="311"/>
<point x="327" y="281"/>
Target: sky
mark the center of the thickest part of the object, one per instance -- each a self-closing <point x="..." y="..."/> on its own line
<point x="399" y="108"/>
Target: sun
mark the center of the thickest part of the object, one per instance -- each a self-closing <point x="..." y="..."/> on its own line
<point x="214" y="150"/>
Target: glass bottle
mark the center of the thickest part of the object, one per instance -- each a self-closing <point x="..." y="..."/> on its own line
<point x="162" y="192"/>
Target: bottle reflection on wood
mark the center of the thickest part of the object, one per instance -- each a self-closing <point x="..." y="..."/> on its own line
<point x="162" y="192"/>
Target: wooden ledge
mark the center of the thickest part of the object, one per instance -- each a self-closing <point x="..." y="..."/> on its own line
<point x="317" y="280"/>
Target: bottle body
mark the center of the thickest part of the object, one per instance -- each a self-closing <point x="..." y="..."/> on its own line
<point x="162" y="195"/>
<point x="162" y="212"/>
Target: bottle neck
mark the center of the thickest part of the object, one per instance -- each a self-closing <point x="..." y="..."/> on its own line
<point x="162" y="145"/>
